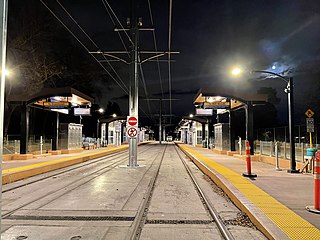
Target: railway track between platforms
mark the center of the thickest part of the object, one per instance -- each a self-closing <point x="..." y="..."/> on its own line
<point x="102" y="165"/>
<point x="35" y="179"/>
<point x="163" y="198"/>
<point x="142" y="216"/>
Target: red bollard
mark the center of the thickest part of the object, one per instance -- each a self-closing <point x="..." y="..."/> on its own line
<point x="316" y="207"/>
<point x="248" y="160"/>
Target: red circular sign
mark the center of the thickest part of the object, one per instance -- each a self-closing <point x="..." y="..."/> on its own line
<point x="132" y="121"/>
<point x="132" y="132"/>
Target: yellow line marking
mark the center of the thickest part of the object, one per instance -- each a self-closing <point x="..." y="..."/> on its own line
<point x="288" y="221"/>
<point x="36" y="165"/>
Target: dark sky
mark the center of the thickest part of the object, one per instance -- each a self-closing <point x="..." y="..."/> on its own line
<point x="211" y="36"/>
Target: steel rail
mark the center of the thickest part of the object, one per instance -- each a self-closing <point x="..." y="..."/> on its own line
<point x="90" y="176"/>
<point x="137" y="225"/>
<point x="64" y="170"/>
<point x="226" y="234"/>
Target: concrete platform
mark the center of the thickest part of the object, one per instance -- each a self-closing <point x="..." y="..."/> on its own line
<point x="19" y="169"/>
<point x="274" y="201"/>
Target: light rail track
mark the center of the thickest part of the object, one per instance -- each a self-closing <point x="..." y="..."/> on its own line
<point x="55" y="173"/>
<point x="164" y="193"/>
<point x="107" y="163"/>
<point x="142" y="215"/>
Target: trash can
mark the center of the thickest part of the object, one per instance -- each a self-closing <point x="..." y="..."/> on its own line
<point x="311" y="152"/>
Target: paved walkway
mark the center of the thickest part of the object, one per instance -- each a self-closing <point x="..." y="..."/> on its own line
<point x="294" y="191"/>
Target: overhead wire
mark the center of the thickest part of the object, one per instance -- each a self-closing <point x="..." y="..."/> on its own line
<point x="91" y="40"/>
<point x="83" y="45"/>
<point x="104" y="2"/>
<point x="169" y="58"/>
<point x="124" y="87"/>
<point x="118" y="21"/>
<point x="156" y="48"/>
<point x="108" y="9"/>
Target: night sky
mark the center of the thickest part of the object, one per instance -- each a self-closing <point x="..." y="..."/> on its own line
<point x="212" y="37"/>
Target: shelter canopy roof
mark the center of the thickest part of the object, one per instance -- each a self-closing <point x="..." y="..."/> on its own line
<point x="222" y="98"/>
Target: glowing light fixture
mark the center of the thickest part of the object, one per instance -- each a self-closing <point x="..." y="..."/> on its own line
<point x="236" y="71"/>
<point x="210" y="99"/>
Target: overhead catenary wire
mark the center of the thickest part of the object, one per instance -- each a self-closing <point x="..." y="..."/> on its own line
<point x="83" y="45"/>
<point x="118" y="21"/>
<point x="144" y="85"/>
<point x="109" y="9"/>
<point x="123" y="86"/>
<point x="169" y="57"/>
<point x="156" y="48"/>
<point x="107" y="6"/>
<point x="91" y="40"/>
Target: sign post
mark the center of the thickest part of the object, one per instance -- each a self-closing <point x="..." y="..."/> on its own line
<point x="132" y="133"/>
<point x="310" y="124"/>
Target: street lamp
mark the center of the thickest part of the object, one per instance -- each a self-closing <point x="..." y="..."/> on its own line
<point x="288" y="90"/>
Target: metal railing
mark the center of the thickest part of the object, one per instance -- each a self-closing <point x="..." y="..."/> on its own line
<point x="35" y="144"/>
<point x="267" y="148"/>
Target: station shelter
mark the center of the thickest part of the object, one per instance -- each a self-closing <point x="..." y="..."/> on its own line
<point x="194" y="131"/>
<point x="113" y="131"/>
<point x="65" y="100"/>
<point x="214" y="103"/>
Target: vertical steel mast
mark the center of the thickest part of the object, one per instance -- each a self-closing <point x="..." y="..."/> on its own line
<point x="134" y="82"/>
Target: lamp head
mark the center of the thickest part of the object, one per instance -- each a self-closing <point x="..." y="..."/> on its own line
<point x="236" y="71"/>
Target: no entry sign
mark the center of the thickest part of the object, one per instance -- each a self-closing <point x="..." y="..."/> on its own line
<point x="132" y="121"/>
<point x="132" y="132"/>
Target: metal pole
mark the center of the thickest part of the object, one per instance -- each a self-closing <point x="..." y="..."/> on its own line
<point x="98" y="121"/>
<point x="3" y="25"/>
<point x="41" y="144"/>
<point x="160" y="122"/>
<point x="285" y="143"/>
<point x="134" y="87"/>
<point x="15" y="146"/>
<point x="276" y="151"/>
<point x="261" y="147"/>
<point x="291" y="127"/>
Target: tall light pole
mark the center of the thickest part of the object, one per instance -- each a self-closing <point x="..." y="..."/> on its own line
<point x="3" y="50"/>
<point x="288" y="90"/>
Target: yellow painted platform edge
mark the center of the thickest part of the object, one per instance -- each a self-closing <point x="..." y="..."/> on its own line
<point x="239" y="204"/>
<point x="19" y="173"/>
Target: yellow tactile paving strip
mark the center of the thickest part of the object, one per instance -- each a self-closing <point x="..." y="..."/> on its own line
<point x="294" y="226"/>
<point x="18" y="173"/>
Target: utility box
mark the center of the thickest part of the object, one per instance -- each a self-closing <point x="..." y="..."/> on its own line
<point x="70" y="136"/>
<point x="221" y="135"/>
